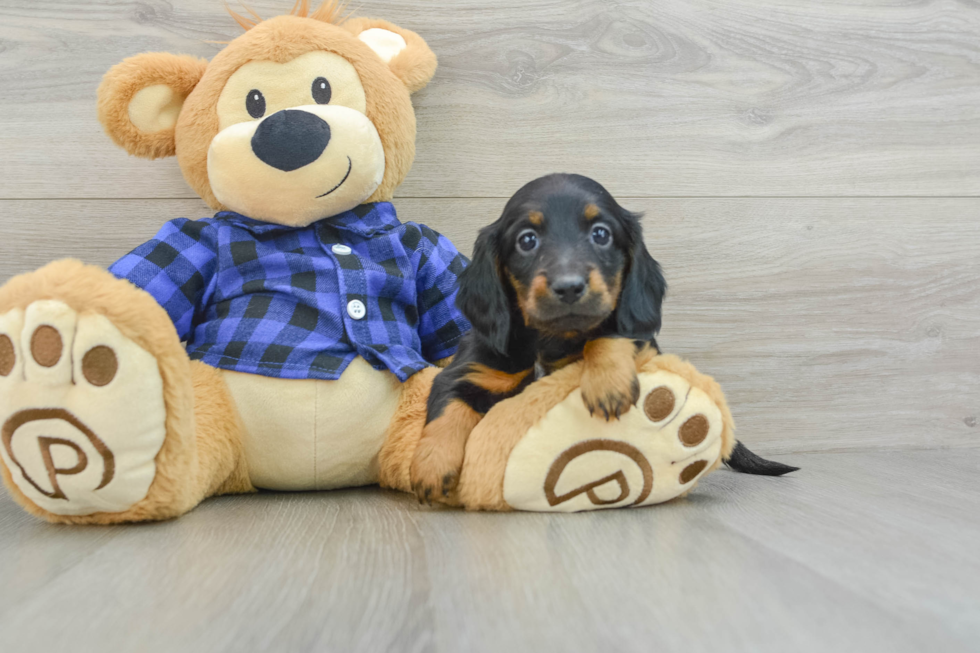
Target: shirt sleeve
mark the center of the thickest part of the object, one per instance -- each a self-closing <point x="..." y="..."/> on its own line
<point x="441" y="325"/>
<point x="177" y="267"/>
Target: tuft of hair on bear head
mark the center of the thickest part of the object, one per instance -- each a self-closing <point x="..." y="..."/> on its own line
<point x="330" y="11"/>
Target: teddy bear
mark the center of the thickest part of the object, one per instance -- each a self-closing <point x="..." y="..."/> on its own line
<point x="289" y="341"/>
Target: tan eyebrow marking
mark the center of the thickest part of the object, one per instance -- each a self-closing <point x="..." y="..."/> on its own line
<point x="536" y="218"/>
<point x="591" y="211"/>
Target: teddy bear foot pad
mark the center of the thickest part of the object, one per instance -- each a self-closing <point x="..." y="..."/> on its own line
<point x="571" y="461"/>
<point x="82" y="413"/>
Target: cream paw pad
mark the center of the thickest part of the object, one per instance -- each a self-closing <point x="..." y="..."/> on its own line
<point x="570" y="461"/>
<point x="82" y="412"/>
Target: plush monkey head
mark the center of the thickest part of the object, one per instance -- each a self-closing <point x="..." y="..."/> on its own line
<point x="300" y="118"/>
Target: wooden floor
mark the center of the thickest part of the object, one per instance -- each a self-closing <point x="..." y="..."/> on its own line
<point x="810" y="174"/>
<point x="857" y="552"/>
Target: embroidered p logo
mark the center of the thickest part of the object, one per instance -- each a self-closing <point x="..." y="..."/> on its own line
<point x="618" y="477"/>
<point x="39" y="467"/>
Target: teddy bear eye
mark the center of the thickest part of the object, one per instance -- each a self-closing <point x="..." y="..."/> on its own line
<point x="321" y="90"/>
<point x="255" y="103"/>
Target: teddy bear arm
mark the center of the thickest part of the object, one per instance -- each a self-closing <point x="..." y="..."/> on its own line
<point x="440" y="323"/>
<point x="176" y="267"/>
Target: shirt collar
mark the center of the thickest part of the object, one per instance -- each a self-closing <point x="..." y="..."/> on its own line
<point x="365" y="220"/>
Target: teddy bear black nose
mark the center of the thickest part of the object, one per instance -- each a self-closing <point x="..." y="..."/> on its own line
<point x="290" y="139"/>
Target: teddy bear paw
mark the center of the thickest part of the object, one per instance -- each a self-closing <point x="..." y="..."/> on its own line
<point x="82" y="412"/>
<point x="569" y="462"/>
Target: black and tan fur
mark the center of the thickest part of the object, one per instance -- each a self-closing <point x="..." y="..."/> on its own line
<point x="563" y="275"/>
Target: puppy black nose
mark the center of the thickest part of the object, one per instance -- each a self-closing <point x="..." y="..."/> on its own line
<point x="290" y="139"/>
<point x="569" y="288"/>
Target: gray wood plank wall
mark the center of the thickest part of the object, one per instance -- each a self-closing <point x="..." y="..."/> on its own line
<point x="810" y="175"/>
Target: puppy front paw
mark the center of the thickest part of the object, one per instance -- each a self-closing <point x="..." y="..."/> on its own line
<point x="438" y="459"/>
<point x="609" y="383"/>
<point x="435" y="470"/>
<point x="610" y="397"/>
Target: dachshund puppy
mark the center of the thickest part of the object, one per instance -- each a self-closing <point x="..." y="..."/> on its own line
<point x="563" y="275"/>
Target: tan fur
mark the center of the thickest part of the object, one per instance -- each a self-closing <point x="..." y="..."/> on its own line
<point x="554" y="366"/>
<point x="649" y="360"/>
<point x="405" y="431"/>
<point x="591" y="211"/>
<point x="521" y="292"/>
<point x="493" y="380"/>
<point x="491" y="442"/>
<point x="481" y="482"/>
<point x="527" y="297"/>
<point x="222" y="467"/>
<point x="439" y="456"/>
<point x="186" y="472"/>
<point x="609" y="382"/>
<point x="539" y="288"/>
<point x="415" y="65"/>
<point x="280" y="39"/>
<point x="180" y="72"/>
<point x="536" y="218"/>
<point x="328" y="12"/>
<point x="609" y="295"/>
<point x="202" y="453"/>
<point x="597" y="284"/>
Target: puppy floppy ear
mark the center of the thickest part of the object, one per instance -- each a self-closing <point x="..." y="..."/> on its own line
<point x="406" y="53"/>
<point x="638" y="310"/>
<point x="140" y="99"/>
<point x="481" y="296"/>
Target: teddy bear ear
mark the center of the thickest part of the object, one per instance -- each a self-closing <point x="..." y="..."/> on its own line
<point x="405" y="52"/>
<point x="140" y="99"/>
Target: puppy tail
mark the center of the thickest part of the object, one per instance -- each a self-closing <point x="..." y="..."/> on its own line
<point x="744" y="461"/>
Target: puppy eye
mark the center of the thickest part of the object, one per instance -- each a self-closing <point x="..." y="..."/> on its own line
<point x="255" y="103"/>
<point x="527" y="241"/>
<point x="321" y="90"/>
<point x="601" y="236"/>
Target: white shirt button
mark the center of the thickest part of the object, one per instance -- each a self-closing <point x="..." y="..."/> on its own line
<point x="342" y="250"/>
<point x="356" y="309"/>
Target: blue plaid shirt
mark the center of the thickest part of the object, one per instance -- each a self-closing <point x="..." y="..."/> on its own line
<point x="302" y="302"/>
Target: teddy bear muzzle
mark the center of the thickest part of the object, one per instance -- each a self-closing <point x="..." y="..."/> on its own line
<point x="297" y="165"/>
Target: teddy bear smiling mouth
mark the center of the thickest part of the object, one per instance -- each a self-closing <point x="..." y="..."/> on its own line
<point x="349" y="167"/>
